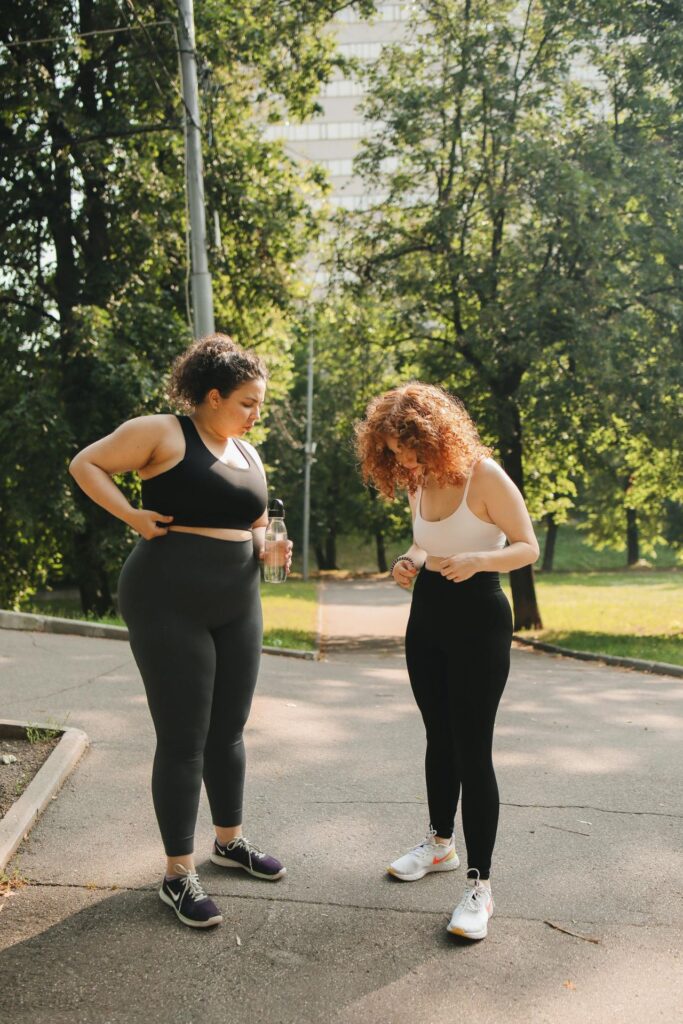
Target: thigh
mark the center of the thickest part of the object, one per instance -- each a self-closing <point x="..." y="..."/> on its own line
<point x="478" y="668"/>
<point x="238" y="656"/>
<point x="177" y="662"/>
<point x="428" y="673"/>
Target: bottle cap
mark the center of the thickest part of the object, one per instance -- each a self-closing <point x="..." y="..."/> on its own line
<point x="276" y="509"/>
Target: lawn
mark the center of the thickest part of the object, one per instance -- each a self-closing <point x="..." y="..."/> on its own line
<point x="633" y="614"/>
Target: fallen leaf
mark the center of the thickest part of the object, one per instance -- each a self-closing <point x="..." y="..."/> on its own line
<point x="569" y="984"/>
<point x="238" y="940"/>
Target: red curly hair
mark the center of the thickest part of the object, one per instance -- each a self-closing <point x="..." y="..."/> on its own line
<point x="427" y="419"/>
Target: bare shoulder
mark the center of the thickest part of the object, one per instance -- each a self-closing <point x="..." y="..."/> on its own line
<point x="488" y="469"/>
<point x="152" y="425"/>
<point x="488" y="474"/>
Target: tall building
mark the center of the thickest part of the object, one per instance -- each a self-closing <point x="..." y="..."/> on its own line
<point x="333" y="137"/>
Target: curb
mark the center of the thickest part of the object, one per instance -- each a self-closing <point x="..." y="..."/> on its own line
<point x="659" y="668"/>
<point x="25" y="812"/>
<point x="76" y="627"/>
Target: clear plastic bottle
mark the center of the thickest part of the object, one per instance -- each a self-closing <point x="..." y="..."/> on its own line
<point x="276" y="544"/>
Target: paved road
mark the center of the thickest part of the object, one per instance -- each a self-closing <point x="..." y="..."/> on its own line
<point x="590" y="838"/>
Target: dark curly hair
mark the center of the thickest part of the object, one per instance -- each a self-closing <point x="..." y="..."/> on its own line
<point x="430" y="421"/>
<point x="212" y="362"/>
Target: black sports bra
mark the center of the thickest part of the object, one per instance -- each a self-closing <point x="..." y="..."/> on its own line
<point x="200" y="490"/>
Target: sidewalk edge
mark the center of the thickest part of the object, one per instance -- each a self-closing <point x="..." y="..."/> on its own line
<point x="25" y="812"/>
<point x="77" y="627"/>
<point x="660" y="668"/>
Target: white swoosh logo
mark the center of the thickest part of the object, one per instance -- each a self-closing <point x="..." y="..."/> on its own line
<point x="174" y="896"/>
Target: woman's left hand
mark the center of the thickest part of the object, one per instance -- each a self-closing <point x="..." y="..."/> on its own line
<point x="460" y="567"/>
<point x="288" y="556"/>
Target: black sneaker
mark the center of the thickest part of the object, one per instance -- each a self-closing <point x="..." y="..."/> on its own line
<point x="240" y="853"/>
<point x="191" y="904"/>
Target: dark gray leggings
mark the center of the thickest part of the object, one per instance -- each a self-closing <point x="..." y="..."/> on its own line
<point x="193" y="609"/>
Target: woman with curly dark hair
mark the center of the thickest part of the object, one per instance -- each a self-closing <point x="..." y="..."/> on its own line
<point x="189" y="593"/>
<point x="464" y="507"/>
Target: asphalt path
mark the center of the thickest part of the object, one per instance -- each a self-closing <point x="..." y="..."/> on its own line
<point x="589" y="769"/>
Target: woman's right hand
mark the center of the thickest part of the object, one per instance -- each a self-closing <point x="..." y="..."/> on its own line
<point x="403" y="574"/>
<point x="148" y="524"/>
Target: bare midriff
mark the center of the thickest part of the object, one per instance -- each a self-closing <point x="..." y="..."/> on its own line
<point x="215" y="532"/>
<point x="433" y="563"/>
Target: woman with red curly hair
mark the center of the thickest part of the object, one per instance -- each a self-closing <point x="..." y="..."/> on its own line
<point x="464" y="508"/>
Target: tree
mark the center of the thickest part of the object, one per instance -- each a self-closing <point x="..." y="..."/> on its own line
<point x="499" y="241"/>
<point x="91" y="235"/>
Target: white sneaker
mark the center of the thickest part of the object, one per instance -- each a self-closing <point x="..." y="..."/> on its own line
<point x="426" y="857"/>
<point x="471" y="916"/>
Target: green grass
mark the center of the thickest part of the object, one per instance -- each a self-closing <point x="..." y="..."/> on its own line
<point x="290" y="613"/>
<point x="573" y="553"/>
<point x="634" y="613"/>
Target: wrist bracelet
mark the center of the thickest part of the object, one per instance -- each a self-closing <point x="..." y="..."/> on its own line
<point x="402" y="558"/>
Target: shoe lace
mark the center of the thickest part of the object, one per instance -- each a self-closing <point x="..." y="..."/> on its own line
<point x="191" y="883"/>
<point x="251" y="848"/>
<point x="472" y="896"/>
<point x="427" y="841"/>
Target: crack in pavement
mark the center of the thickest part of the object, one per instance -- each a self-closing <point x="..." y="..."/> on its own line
<point x="505" y="803"/>
<point x="77" y="686"/>
<point x="92" y="887"/>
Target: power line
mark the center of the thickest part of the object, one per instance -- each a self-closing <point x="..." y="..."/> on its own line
<point x="151" y="73"/>
<point x="82" y="35"/>
<point x="142" y="129"/>
<point x="157" y="57"/>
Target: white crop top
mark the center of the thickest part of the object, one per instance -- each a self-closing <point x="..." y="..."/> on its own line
<point x="457" y="534"/>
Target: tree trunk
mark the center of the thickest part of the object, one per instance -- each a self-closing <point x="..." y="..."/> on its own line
<point x="331" y="547"/>
<point x="319" y="556"/>
<point x="524" y="603"/>
<point x="525" y="608"/>
<point x="632" y="540"/>
<point x="550" y="538"/>
<point x="381" y="552"/>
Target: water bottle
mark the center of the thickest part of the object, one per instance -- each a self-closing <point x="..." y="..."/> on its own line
<point x="276" y="544"/>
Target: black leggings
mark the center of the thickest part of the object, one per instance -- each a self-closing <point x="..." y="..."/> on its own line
<point x="193" y="609"/>
<point x="458" y="655"/>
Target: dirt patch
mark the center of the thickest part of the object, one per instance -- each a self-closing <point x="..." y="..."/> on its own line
<point x="15" y="777"/>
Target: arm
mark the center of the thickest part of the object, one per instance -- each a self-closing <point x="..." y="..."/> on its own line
<point x="505" y="507"/>
<point x="258" y="527"/>
<point x="130" y="447"/>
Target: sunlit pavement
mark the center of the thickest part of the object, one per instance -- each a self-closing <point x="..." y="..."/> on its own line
<point x="588" y="762"/>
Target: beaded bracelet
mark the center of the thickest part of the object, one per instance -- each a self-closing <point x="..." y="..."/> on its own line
<point x="402" y="558"/>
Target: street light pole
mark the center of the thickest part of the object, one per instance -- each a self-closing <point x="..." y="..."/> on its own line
<point x="202" y="296"/>
<point x="309" y="449"/>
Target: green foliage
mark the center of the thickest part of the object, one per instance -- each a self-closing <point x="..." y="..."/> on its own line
<point x="93" y="248"/>
<point x="529" y="242"/>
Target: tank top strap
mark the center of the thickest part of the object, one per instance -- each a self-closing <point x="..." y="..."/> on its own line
<point x="190" y="433"/>
<point x="467" y="485"/>
<point x="244" y="451"/>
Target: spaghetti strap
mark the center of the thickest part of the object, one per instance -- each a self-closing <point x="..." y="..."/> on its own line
<point x="467" y="485"/>
<point x="418" y="502"/>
